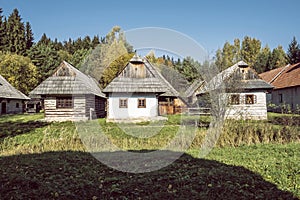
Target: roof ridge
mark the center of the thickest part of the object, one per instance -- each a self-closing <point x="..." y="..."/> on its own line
<point x="279" y="73"/>
<point x="163" y="78"/>
<point x="19" y="94"/>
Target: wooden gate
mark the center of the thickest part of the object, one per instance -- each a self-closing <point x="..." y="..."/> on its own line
<point x="165" y="108"/>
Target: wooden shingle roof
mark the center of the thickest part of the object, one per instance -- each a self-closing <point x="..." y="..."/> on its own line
<point x="237" y="77"/>
<point x="283" y="77"/>
<point x="67" y="80"/>
<point x="7" y="91"/>
<point x="139" y="75"/>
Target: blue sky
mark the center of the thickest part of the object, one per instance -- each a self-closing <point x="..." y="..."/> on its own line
<point x="211" y="23"/>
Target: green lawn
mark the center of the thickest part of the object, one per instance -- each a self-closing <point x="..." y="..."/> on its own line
<point x="48" y="161"/>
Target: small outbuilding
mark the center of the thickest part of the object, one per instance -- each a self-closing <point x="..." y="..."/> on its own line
<point x="11" y="100"/>
<point x="71" y="95"/>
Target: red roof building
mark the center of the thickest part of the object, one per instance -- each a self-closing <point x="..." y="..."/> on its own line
<point x="286" y="82"/>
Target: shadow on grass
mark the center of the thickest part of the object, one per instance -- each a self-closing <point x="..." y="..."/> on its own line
<point x="13" y="128"/>
<point x="78" y="175"/>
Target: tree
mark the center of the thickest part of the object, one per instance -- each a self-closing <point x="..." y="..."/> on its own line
<point x="29" y="36"/>
<point x="229" y="55"/>
<point x="95" y="41"/>
<point x="19" y="71"/>
<point x="176" y="79"/>
<point x="262" y="62"/>
<point x="16" y="33"/>
<point x="44" y="40"/>
<point x="189" y="68"/>
<point x="114" y="69"/>
<point x="69" y="46"/>
<point x="45" y="58"/>
<point x="2" y="32"/>
<point x="57" y="45"/>
<point x="278" y="58"/>
<point x="105" y="54"/>
<point x="79" y="56"/>
<point x="293" y="53"/>
<point x="64" y="55"/>
<point x="86" y="43"/>
<point x="250" y="50"/>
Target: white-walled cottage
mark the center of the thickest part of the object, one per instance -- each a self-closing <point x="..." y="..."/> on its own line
<point x="241" y="90"/>
<point x="134" y="93"/>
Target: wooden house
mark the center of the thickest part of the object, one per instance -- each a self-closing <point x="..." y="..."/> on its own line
<point x="70" y="95"/>
<point x="242" y="92"/>
<point x="137" y="92"/>
<point x="286" y="83"/>
<point x="11" y="100"/>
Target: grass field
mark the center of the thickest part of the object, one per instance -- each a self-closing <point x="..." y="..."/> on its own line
<point x="251" y="160"/>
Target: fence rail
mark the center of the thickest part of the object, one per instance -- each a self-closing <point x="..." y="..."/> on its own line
<point x="198" y="111"/>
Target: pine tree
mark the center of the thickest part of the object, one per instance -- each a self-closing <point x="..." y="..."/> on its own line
<point x="262" y="62"/>
<point x="44" y="40"/>
<point x="58" y="45"/>
<point x="95" y="41"/>
<point x="45" y="58"/>
<point x="2" y="32"/>
<point x="69" y="46"/>
<point x="16" y="33"/>
<point x="293" y="53"/>
<point x="86" y="42"/>
<point x="29" y="36"/>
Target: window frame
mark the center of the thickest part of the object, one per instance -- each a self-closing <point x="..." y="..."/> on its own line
<point x="253" y="99"/>
<point x="64" y="102"/>
<point x="123" y="103"/>
<point x="237" y="99"/>
<point x="140" y="104"/>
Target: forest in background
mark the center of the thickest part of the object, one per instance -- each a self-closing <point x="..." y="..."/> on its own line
<point x="26" y="62"/>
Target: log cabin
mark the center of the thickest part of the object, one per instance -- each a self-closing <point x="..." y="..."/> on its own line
<point x="11" y="100"/>
<point x="70" y="95"/>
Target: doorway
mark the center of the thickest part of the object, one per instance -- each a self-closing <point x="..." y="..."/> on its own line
<point x="3" y="108"/>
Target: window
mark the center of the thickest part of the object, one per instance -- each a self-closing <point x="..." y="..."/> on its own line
<point x="64" y="102"/>
<point x="141" y="103"/>
<point x="123" y="103"/>
<point x="250" y="99"/>
<point x="234" y="99"/>
<point x="17" y="105"/>
<point x="280" y="98"/>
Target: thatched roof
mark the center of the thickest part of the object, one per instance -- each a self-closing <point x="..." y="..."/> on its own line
<point x="67" y="80"/>
<point x="7" y="91"/>
<point x="146" y="79"/>
<point x="237" y="77"/>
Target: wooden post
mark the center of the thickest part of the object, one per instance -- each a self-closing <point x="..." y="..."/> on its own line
<point x="91" y="113"/>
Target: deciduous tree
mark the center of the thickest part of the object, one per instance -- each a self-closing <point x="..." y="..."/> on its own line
<point x="18" y="71"/>
<point x="278" y="58"/>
